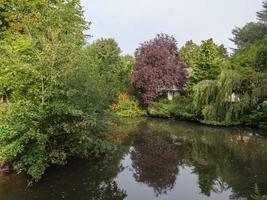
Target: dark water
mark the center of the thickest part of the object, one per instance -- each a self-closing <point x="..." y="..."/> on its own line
<point x="159" y="160"/>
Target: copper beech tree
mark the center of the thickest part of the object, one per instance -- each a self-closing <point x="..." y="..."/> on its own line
<point x="157" y="67"/>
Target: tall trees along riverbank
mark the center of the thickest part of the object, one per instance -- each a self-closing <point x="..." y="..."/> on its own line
<point x="57" y="94"/>
<point x="220" y="89"/>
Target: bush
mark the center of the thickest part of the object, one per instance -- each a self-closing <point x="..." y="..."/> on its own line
<point x="180" y="107"/>
<point x="162" y="108"/>
<point x="258" y="117"/>
<point x="184" y="108"/>
<point x="127" y="106"/>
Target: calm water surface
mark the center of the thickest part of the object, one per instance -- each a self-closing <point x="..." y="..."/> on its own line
<point x="159" y="159"/>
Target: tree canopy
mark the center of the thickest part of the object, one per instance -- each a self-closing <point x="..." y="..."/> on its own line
<point x="249" y="34"/>
<point x="262" y="15"/>
<point x="157" y="67"/>
<point x="55" y="110"/>
<point x="189" y="54"/>
<point x="208" y="63"/>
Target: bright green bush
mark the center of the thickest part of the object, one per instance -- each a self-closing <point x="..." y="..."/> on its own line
<point x="128" y="106"/>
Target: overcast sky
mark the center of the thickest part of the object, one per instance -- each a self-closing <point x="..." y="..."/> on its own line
<point x="131" y="22"/>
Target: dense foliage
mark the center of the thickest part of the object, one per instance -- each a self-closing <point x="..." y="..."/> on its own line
<point x="57" y="94"/>
<point x="220" y="89"/>
<point x="208" y="63"/>
<point x="157" y="67"/>
<point x="227" y="99"/>
<point x="249" y="34"/>
<point x="102" y="59"/>
<point x="128" y="106"/>
<point x="189" y="54"/>
<point x="55" y="104"/>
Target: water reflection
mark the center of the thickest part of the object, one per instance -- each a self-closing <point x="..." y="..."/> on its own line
<point x="159" y="160"/>
<point x="223" y="159"/>
<point x="155" y="160"/>
<point x="81" y="180"/>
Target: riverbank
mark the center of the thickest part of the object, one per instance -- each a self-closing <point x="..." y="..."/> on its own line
<point x="181" y="108"/>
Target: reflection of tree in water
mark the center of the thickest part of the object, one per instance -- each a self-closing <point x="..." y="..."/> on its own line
<point x="155" y="160"/>
<point x="220" y="160"/>
<point x="109" y="191"/>
<point x="80" y="179"/>
<point x="221" y="165"/>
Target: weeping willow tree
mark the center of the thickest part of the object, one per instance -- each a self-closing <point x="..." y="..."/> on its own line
<point x="227" y="99"/>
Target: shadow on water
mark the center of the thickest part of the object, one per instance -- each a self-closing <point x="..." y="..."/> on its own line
<point x="159" y="159"/>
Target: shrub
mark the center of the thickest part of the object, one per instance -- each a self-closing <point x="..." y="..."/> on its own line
<point x="127" y="106"/>
<point x="180" y="107"/>
<point x="162" y="108"/>
<point x="183" y="108"/>
<point x="258" y="117"/>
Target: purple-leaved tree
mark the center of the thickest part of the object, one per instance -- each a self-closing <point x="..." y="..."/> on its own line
<point x="157" y="67"/>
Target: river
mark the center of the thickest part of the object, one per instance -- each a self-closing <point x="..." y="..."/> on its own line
<point x="161" y="160"/>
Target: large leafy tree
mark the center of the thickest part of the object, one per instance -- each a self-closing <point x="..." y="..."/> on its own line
<point x="157" y="66"/>
<point x="239" y="90"/>
<point x="208" y="63"/>
<point x="260" y="59"/>
<point x="230" y="97"/>
<point x="53" y="114"/>
<point x="249" y="34"/>
<point x="103" y="57"/>
<point x="251" y="58"/>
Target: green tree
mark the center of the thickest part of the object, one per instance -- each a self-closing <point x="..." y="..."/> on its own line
<point x="189" y="54"/>
<point x="249" y="34"/>
<point x="208" y="65"/>
<point x="252" y="31"/>
<point x="230" y="97"/>
<point x="251" y="58"/>
<point x="260" y="59"/>
<point x="126" y="71"/>
<point x="223" y="51"/>
<point x="53" y="115"/>
<point x="262" y="15"/>
<point x="104" y="58"/>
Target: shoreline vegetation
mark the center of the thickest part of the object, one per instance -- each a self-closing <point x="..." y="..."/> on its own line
<point x="60" y="97"/>
<point x="130" y="107"/>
